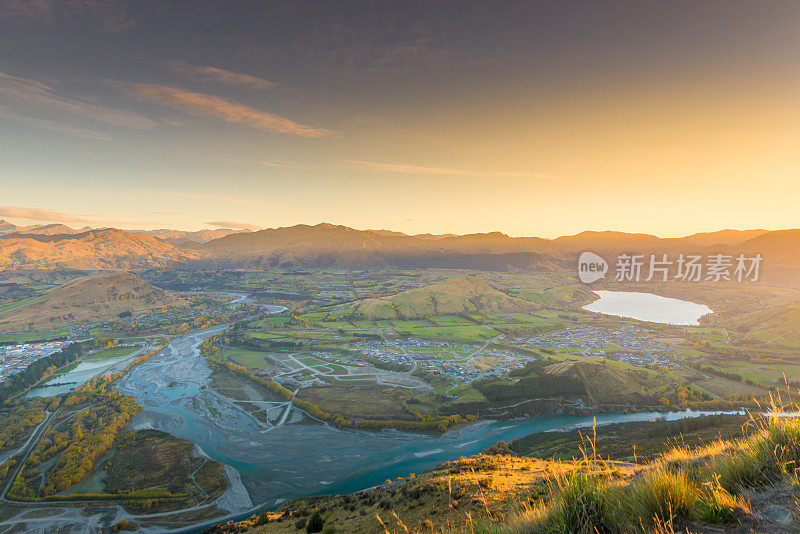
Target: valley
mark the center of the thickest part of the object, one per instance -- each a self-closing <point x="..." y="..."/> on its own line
<point x="250" y="388"/>
<point x="399" y="267"/>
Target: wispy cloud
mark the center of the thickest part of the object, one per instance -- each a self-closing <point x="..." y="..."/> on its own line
<point x="214" y="106"/>
<point x="35" y="214"/>
<point x="288" y="164"/>
<point x="233" y="224"/>
<point x="53" y="126"/>
<point x="247" y="201"/>
<point x="23" y="91"/>
<point x="441" y="171"/>
<point x="106" y="15"/>
<point x="280" y="163"/>
<point x="214" y="74"/>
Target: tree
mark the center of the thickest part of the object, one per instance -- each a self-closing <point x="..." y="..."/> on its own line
<point x="262" y="519"/>
<point x="315" y="523"/>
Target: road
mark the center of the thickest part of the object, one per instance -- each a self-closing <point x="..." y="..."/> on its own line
<point x="26" y="451"/>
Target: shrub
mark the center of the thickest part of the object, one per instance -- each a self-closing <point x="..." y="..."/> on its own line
<point x="315" y="523"/>
<point x="124" y="525"/>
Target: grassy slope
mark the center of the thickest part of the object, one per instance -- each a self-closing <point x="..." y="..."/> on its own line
<point x="466" y="294"/>
<point x="87" y="299"/>
<point x="607" y="383"/>
<point x="726" y="486"/>
<point x="481" y="487"/>
<point x="633" y="441"/>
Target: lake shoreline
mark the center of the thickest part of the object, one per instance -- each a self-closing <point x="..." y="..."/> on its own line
<point x="648" y="307"/>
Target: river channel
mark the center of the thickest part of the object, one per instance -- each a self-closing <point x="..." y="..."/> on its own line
<point x="303" y="456"/>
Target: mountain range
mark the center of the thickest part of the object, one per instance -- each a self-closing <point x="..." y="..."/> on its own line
<point x="173" y="236"/>
<point x="328" y="245"/>
<point x="105" y="249"/>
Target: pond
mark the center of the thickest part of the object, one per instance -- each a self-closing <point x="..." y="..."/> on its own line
<point x="648" y="307"/>
<point x="76" y="374"/>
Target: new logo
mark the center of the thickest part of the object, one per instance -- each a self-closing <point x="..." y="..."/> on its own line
<point x="591" y="267"/>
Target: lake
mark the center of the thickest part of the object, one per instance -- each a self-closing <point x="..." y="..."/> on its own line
<point x="648" y="307"/>
<point x="76" y="374"/>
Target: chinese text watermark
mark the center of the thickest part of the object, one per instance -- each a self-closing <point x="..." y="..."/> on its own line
<point x="664" y="267"/>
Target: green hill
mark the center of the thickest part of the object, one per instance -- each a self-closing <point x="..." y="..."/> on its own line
<point x="774" y="327"/>
<point x="467" y="294"/>
<point x="605" y="385"/>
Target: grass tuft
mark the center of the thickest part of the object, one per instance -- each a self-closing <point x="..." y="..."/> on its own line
<point x="716" y="505"/>
<point x="584" y="504"/>
<point x="663" y="496"/>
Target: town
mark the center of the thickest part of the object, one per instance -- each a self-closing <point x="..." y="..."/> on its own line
<point x="461" y="363"/>
<point x="16" y="358"/>
<point x="629" y="344"/>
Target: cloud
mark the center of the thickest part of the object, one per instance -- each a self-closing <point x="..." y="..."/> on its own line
<point x="53" y="126"/>
<point x="218" y="107"/>
<point x="106" y="15"/>
<point x="35" y="214"/>
<point x="280" y="163"/>
<point x="288" y="164"/>
<point x="22" y="91"/>
<point x="214" y="74"/>
<point x="401" y="168"/>
<point x="233" y="224"/>
<point x="164" y="212"/>
<point x="441" y="171"/>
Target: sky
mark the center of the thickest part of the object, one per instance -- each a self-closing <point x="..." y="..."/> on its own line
<point x="530" y="118"/>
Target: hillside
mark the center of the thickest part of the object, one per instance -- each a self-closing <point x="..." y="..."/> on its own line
<point x="328" y="245"/>
<point x="578" y="385"/>
<point x="106" y="249"/>
<point x="771" y="328"/>
<point x="87" y="299"/>
<point x="464" y="295"/>
<point x="40" y="229"/>
<point x="334" y="245"/>
<point x="743" y="483"/>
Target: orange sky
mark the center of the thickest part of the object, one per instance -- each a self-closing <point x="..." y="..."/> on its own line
<point x="537" y="119"/>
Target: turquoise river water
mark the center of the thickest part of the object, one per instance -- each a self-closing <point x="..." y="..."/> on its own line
<point x="305" y="457"/>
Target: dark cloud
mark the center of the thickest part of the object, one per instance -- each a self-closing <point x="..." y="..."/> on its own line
<point x="106" y="15"/>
